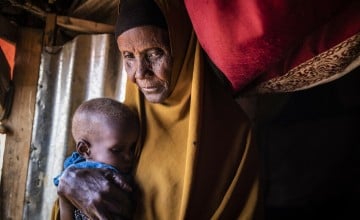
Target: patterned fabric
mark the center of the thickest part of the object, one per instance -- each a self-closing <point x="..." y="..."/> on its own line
<point x="323" y="68"/>
<point x="253" y="41"/>
<point x="78" y="215"/>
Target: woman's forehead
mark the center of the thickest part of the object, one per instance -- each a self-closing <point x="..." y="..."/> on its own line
<point x="143" y="37"/>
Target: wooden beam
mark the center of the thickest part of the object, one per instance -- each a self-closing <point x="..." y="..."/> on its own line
<point x="83" y="26"/>
<point x="17" y="146"/>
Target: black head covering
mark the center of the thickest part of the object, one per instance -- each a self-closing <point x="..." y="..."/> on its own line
<point x="135" y="13"/>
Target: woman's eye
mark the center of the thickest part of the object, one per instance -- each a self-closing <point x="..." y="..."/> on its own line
<point x="128" y="55"/>
<point x="154" y="53"/>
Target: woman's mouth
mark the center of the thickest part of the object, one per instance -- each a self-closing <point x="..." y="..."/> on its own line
<point x="149" y="89"/>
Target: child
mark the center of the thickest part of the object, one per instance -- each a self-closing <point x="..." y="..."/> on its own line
<point x="105" y="132"/>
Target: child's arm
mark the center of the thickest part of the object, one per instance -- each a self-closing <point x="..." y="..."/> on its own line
<point x="66" y="209"/>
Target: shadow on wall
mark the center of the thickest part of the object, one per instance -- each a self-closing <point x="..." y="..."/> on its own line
<point x="311" y="149"/>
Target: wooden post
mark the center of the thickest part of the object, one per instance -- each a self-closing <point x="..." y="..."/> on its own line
<point x="17" y="146"/>
<point x="50" y="30"/>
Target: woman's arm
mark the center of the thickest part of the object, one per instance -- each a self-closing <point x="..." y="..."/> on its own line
<point x="66" y="209"/>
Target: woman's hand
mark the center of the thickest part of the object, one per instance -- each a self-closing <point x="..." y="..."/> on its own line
<point x="98" y="193"/>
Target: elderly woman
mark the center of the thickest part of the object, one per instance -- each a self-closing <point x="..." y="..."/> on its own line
<point x="196" y="158"/>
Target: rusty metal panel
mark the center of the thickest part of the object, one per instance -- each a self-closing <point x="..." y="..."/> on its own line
<point x="85" y="68"/>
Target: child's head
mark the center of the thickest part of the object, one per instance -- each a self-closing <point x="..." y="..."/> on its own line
<point x="106" y="131"/>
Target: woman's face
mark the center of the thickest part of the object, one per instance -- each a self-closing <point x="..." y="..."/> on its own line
<point x="147" y="59"/>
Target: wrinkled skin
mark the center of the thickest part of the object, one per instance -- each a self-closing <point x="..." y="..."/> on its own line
<point x="98" y="193"/>
<point x="147" y="59"/>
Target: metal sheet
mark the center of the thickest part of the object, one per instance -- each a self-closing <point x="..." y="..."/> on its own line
<point x="88" y="67"/>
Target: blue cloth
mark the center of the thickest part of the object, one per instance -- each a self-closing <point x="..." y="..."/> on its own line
<point x="77" y="161"/>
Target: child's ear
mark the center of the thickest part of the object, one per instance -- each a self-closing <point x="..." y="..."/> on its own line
<point x="83" y="148"/>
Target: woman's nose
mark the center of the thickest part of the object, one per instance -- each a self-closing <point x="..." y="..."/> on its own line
<point x="142" y="68"/>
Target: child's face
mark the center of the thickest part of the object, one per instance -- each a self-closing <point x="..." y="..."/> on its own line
<point x="114" y="145"/>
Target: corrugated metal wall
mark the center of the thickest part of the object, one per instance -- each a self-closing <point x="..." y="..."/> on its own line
<point x="85" y="68"/>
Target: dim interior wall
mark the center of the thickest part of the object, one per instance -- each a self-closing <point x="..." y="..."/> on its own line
<point x="8" y="30"/>
<point x="310" y="147"/>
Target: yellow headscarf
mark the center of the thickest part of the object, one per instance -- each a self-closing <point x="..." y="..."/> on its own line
<point x="196" y="158"/>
